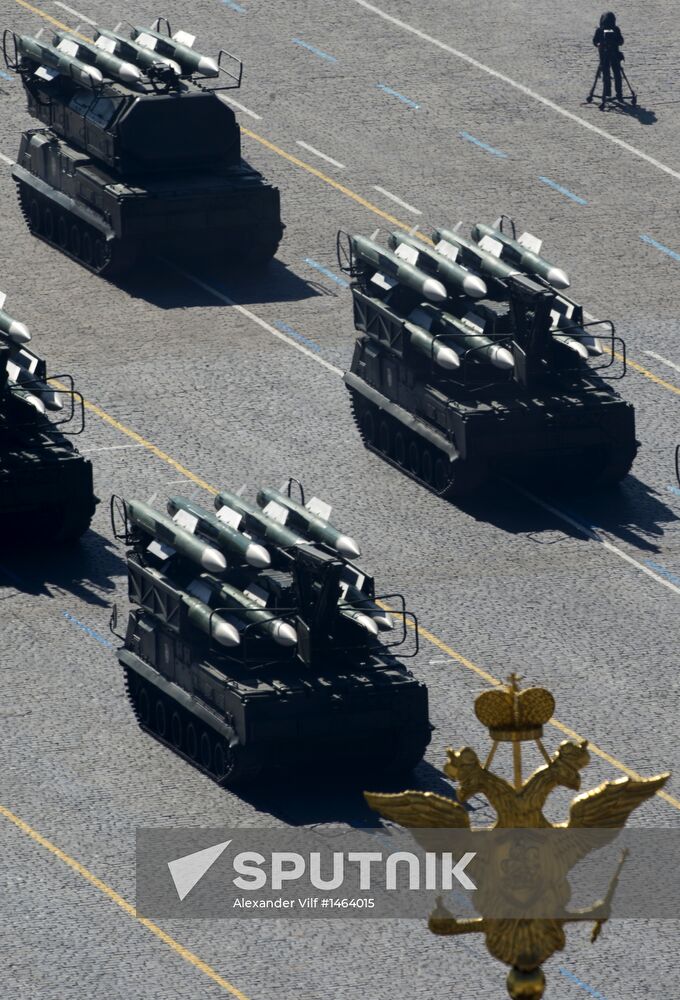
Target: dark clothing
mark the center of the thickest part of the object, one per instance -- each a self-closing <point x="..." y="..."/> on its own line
<point x="609" y="37"/>
<point x="608" y="41"/>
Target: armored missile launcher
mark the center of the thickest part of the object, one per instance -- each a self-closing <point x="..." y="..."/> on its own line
<point x="139" y="154"/>
<point x="471" y="360"/>
<point x="46" y="490"/>
<point x="255" y="643"/>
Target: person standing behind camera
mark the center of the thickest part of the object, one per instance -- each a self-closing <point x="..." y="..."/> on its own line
<point x="608" y="39"/>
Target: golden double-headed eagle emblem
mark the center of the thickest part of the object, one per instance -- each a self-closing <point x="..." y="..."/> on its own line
<point x="516" y="716"/>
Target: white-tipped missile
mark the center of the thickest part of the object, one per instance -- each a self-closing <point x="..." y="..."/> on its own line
<point x="311" y="520"/>
<point x="574" y="345"/>
<point x="466" y="336"/>
<point x="42" y="390"/>
<point x="357" y="599"/>
<point x="22" y="366"/>
<point x="194" y="518"/>
<point x="125" y="48"/>
<point x="564" y="321"/>
<point x="233" y="510"/>
<point x="391" y="270"/>
<point x="179" y="48"/>
<point x="247" y="606"/>
<point x="201" y="615"/>
<point x="95" y="55"/>
<point x="523" y="252"/>
<point x="171" y="538"/>
<point x="459" y="280"/>
<point x="361" y="619"/>
<point x="11" y="328"/>
<point x="452" y="244"/>
<point x="55" y="62"/>
<point x="284" y="633"/>
<point x="26" y="397"/>
<point x="347" y="547"/>
<point x="427" y="344"/>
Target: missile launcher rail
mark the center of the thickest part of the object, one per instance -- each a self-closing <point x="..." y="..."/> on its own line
<point x="46" y="492"/>
<point x="490" y="368"/>
<point x="138" y="153"/>
<point x="272" y="659"/>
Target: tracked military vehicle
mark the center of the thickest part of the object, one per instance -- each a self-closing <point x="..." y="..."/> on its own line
<point x="140" y="155"/>
<point x="471" y="360"/>
<point x="255" y="643"/>
<point x="46" y="492"/>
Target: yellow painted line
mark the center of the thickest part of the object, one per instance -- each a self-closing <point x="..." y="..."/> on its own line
<point x="365" y="203"/>
<point x="163" y="456"/>
<point x="138" y="439"/>
<point x="126" y="907"/>
<point x="296" y="161"/>
<point x="150" y="446"/>
<point x="650" y="375"/>
<point x="496" y="682"/>
<point x="347" y="192"/>
<point x="52" y="20"/>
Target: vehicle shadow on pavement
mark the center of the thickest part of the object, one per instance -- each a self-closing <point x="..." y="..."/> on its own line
<point x="319" y="798"/>
<point x="633" y="511"/>
<point x="87" y="570"/>
<point x="177" y="285"/>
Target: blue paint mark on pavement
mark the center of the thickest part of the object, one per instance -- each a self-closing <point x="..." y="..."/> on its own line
<point x="87" y="630"/>
<point x="234" y="6"/>
<point x="483" y="145"/>
<point x="395" y="93"/>
<point x="6" y="76"/>
<point x="584" y="986"/>
<point x="659" y="246"/>
<point x="298" y="336"/>
<point x="662" y="571"/>
<point x="674" y="489"/>
<point x="565" y="191"/>
<point x="312" y="48"/>
<point x="326" y="272"/>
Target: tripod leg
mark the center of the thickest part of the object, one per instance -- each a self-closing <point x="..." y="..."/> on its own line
<point x="633" y="95"/>
<point x="589" y="98"/>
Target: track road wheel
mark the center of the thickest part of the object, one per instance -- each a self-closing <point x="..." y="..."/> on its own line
<point x="161" y="718"/>
<point x="99" y="255"/>
<point x="206" y="750"/>
<point x="192" y="741"/>
<point x="143" y="704"/>
<point x="384" y="436"/>
<point x="34" y="219"/>
<point x="230" y="766"/>
<point x="87" y="248"/>
<point x="459" y="478"/>
<point x="75" y="240"/>
<point x="400" y="448"/>
<point x="48" y="224"/>
<point x="415" y="457"/>
<point x="177" y="731"/>
<point x="441" y="473"/>
<point x="368" y="428"/>
<point x="62" y="232"/>
<point x="427" y="466"/>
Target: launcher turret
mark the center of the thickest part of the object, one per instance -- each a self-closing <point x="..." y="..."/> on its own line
<point x="139" y="153"/>
<point x="471" y="358"/>
<point x="263" y="638"/>
<point x="46" y="490"/>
